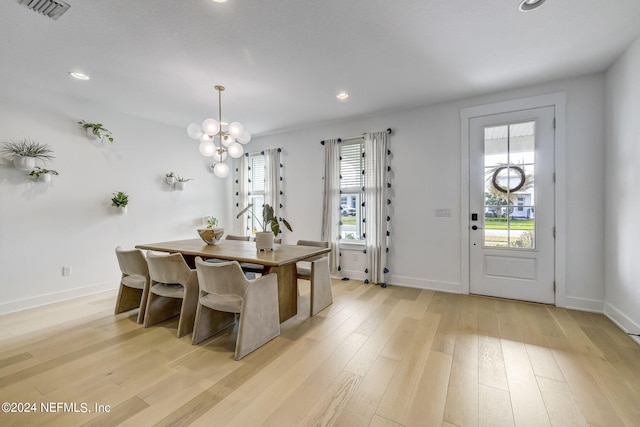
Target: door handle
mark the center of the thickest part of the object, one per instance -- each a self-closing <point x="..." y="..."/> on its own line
<point x="475" y="227"/>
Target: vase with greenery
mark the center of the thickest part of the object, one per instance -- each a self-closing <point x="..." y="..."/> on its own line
<point x="120" y="200"/>
<point x="96" y="130"/>
<point x="43" y="174"/>
<point x="270" y="225"/>
<point x="212" y="222"/>
<point x="181" y="182"/>
<point x="170" y="178"/>
<point x="25" y="153"/>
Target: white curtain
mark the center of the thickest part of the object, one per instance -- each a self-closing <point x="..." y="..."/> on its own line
<point x="243" y="191"/>
<point x="272" y="179"/>
<point x="375" y="202"/>
<point x="331" y="205"/>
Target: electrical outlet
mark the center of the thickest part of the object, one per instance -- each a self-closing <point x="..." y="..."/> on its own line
<point x="443" y="213"/>
<point x="66" y="271"/>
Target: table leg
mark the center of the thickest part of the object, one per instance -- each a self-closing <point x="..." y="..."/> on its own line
<point x="287" y="290"/>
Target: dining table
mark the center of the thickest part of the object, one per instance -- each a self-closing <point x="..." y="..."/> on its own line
<point x="281" y="261"/>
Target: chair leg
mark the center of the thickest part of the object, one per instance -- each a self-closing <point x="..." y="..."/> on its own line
<point x="160" y="308"/>
<point x="260" y="318"/>
<point x="321" y="295"/>
<point x="128" y="299"/>
<point x="209" y="322"/>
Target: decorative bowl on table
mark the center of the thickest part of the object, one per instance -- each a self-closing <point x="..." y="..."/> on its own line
<point x="211" y="236"/>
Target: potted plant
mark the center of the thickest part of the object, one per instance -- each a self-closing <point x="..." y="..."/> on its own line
<point x="264" y="238"/>
<point x="212" y="233"/>
<point x="96" y="131"/>
<point x="25" y="153"/>
<point x="120" y="200"/>
<point x="180" y="184"/>
<point x="212" y="222"/>
<point x="42" y="174"/>
<point x="170" y="178"/>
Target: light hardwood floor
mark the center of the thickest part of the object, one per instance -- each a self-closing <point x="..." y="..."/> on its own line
<point x="376" y="357"/>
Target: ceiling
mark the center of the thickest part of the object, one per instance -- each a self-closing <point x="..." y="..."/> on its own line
<point x="283" y="61"/>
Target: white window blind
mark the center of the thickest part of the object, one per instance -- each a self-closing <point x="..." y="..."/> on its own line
<point x="351" y="166"/>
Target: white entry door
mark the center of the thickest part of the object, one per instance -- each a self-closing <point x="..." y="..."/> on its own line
<point x="511" y="173"/>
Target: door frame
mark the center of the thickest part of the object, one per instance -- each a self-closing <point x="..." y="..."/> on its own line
<point x="557" y="100"/>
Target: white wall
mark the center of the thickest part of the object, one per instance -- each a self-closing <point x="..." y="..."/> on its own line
<point x="69" y="222"/>
<point x="425" y="250"/>
<point x="623" y="181"/>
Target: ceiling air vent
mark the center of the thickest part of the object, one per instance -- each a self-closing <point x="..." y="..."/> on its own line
<point x="54" y="9"/>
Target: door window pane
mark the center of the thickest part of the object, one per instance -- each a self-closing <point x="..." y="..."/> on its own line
<point x="509" y="188"/>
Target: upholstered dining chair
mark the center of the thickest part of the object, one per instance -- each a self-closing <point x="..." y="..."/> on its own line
<point x="134" y="283"/>
<point x="234" y="237"/>
<point x="248" y="267"/>
<point x="224" y="292"/>
<point x="173" y="291"/>
<point x="316" y="270"/>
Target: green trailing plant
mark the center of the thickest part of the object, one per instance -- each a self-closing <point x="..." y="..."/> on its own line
<point x="41" y="171"/>
<point x="268" y="219"/>
<point x="27" y="148"/>
<point x="212" y="222"/>
<point x="181" y="179"/>
<point x="170" y="175"/>
<point x="97" y="129"/>
<point x="120" y="199"/>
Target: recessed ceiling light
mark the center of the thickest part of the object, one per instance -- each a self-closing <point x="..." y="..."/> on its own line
<point x="220" y="1"/>
<point x="342" y="96"/>
<point x="78" y="76"/>
<point x="528" y="5"/>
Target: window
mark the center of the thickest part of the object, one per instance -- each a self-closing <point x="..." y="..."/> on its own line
<point x="351" y="183"/>
<point x="256" y="189"/>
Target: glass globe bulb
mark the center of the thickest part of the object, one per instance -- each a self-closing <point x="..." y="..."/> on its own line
<point x="194" y="131"/>
<point x="220" y="156"/>
<point x="207" y="148"/>
<point x="235" y="150"/>
<point x="205" y="138"/>
<point x="236" y="129"/>
<point x="227" y="140"/>
<point x="211" y="126"/>
<point x="245" y="138"/>
<point x="221" y="170"/>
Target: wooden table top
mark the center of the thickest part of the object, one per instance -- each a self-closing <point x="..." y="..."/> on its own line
<point x="239" y="251"/>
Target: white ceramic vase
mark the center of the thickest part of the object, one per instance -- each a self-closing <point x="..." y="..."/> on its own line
<point x="264" y="240"/>
<point x="45" y="177"/>
<point x="171" y="180"/>
<point x="24" y="163"/>
<point x="92" y="135"/>
<point x="180" y="185"/>
<point x="121" y="210"/>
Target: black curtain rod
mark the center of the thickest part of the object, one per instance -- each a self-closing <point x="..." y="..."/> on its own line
<point x="356" y="137"/>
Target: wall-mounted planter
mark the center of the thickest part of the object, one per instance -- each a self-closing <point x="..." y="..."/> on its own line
<point x="120" y="200"/>
<point x="95" y="131"/>
<point x="24" y="163"/>
<point x="180" y="185"/>
<point x="25" y="153"/>
<point x="43" y="175"/>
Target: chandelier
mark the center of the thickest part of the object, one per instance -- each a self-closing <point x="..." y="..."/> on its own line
<point x="229" y="142"/>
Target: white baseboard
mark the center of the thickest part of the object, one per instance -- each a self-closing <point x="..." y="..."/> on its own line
<point x="413" y="282"/>
<point x="622" y="321"/>
<point x="24" y="304"/>
<point x="352" y="274"/>
<point x="581" y="304"/>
